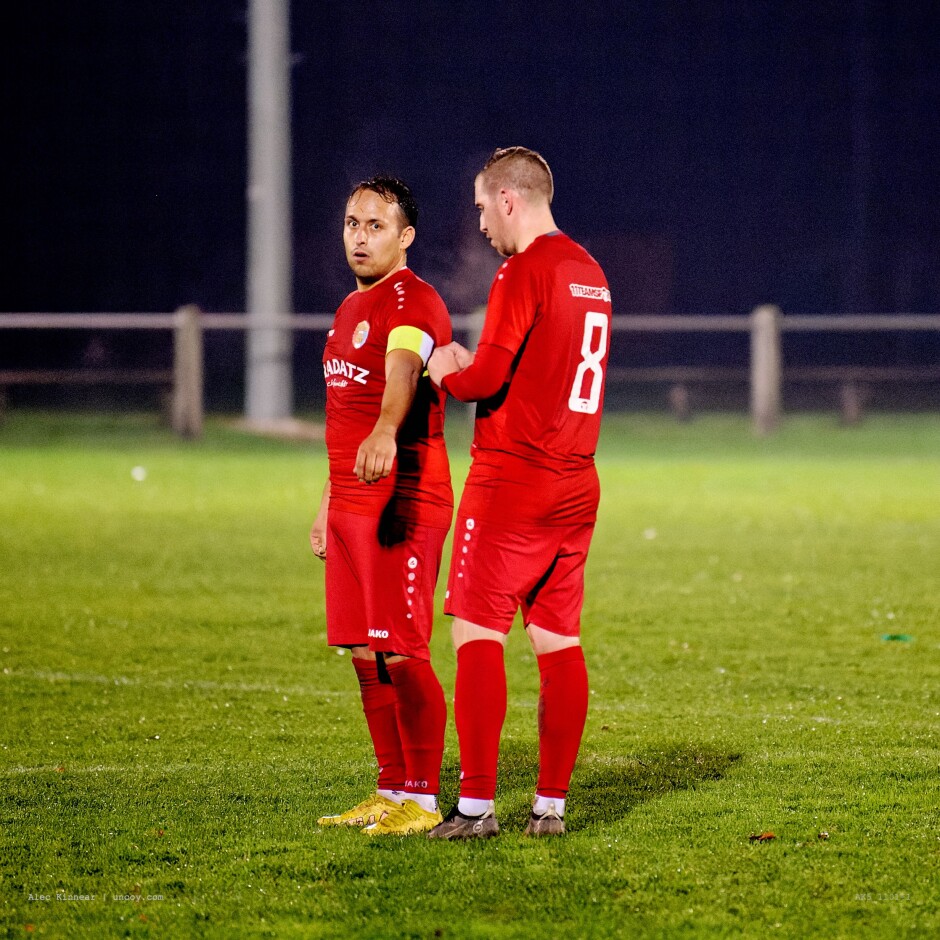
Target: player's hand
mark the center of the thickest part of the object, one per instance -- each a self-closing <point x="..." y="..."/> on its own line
<point x="463" y="355"/>
<point x="443" y="362"/>
<point x="318" y="538"/>
<point x="318" y="529"/>
<point x="376" y="456"/>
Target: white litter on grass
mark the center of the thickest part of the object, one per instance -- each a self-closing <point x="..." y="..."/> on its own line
<point x="139" y="474"/>
<point x="649" y="534"/>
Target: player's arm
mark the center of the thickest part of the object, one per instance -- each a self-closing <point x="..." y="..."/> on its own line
<point x="448" y="359"/>
<point x="482" y="378"/>
<point x="510" y="312"/>
<point x="318" y="529"/>
<point x="408" y="350"/>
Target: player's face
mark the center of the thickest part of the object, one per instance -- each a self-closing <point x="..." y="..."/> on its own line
<point x="374" y="237"/>
<point x="493" y="223"/>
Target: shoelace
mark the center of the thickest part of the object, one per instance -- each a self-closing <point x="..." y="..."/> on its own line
<point x="408" y="810"/>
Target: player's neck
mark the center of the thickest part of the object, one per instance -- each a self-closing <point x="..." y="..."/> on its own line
<point x="363" y="285"/>
<point x="540" y="224"/>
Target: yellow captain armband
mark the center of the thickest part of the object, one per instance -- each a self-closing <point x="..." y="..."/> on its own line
<point x="412" y="339"/>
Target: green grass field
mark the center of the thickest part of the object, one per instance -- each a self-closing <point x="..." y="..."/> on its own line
<point x="763" y="640"/>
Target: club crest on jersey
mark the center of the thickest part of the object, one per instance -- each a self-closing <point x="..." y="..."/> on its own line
<point x="360" y="334"/>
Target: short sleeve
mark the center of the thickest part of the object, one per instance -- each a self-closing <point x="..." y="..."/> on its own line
<point x="419" y="307"/>
<point x="413" y="339"/>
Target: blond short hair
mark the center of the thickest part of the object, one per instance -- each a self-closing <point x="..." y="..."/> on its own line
<point x="519" y="169"/>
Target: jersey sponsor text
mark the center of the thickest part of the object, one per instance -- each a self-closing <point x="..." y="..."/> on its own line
<point x="334" y="367"/>
<point x="590" y="291"/>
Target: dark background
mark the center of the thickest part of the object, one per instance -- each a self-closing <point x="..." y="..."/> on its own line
<point x="712" y="155"/>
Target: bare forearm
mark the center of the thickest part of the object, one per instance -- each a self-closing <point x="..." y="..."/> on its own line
<point x="401" y="383"/>
<point x="318" y="529"/>
<point x="377" y="452"/>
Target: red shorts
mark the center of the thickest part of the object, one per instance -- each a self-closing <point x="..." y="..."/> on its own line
<point x="380" y="583"/>
<point x="494" y="572"/>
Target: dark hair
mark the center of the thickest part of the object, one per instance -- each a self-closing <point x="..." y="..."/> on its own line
<point x="391" y="189"/>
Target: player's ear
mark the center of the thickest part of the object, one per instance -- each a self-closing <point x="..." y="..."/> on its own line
<point x="505" y="200"/>
<point x="407" y="237"/>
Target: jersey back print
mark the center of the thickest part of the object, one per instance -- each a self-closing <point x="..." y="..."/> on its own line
<point x="534" y="441"/>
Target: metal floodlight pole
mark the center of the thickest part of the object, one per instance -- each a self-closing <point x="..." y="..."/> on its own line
<point x="268" y="378"/>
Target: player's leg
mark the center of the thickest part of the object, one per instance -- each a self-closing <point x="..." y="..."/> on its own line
<point x="402" y="617"/>
<point x="346" y="627"/>
<point x="479" y="713"/>
<point x="422" y="719"/>
<point x="563" y="702"/>
<point x="479" y="710"/>
<point x="489" y="566"/>
<point x="380" y="707"/>
<point x="553" y="614"/>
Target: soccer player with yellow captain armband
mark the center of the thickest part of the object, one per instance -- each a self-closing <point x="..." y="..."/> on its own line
<point x="387" y="505"/>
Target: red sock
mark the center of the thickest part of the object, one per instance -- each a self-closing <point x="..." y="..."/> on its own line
<point x="422" y="716"/>
<point x="563" y="702"/>
<point x="378" y="702"/>
<point x="479" y="712"/>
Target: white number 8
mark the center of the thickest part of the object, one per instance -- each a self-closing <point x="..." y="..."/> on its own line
<point x="590" y="362"/>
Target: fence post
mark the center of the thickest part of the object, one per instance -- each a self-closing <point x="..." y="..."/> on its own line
<point x="187" y="373"/>
<point x="851" y="400"/>
<point x="766" y="369"/>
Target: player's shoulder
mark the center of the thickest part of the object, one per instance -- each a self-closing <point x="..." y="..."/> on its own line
<point x="412" y="281"/>
<point x="572" y="269"/>
<point x="519" y="272"/>
<point x="571" y="254"/>
<point x="542" y="258"/>
<point x="547" y="249"/>
<point x="559" y="244"/>
<point x="578" y="251"/>
<point x="352" y="298"/>
<point x="416" y="288"/>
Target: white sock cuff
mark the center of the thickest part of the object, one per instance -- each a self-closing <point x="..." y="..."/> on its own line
<point x="542" y="804"/>
<point x="469" y="806"/>
<point x="427" y="801"/>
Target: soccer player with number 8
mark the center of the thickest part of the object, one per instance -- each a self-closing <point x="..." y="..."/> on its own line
<point x="530" y="501"/>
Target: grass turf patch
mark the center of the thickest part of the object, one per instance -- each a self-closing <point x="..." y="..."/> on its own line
<point x="762" y="641"/>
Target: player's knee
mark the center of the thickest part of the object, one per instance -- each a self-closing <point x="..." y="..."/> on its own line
<point x="544" y="641"/>
<point x="464" y="632"/>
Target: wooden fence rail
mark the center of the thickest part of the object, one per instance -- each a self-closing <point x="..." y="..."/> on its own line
<point x="764" y="372"/>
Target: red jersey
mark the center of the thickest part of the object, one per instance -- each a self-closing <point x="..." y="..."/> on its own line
<point x="418" y="488"/>
<point x="535" y="439"/>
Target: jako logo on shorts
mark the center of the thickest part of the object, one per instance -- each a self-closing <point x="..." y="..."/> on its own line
<point x="379" y="634"/>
